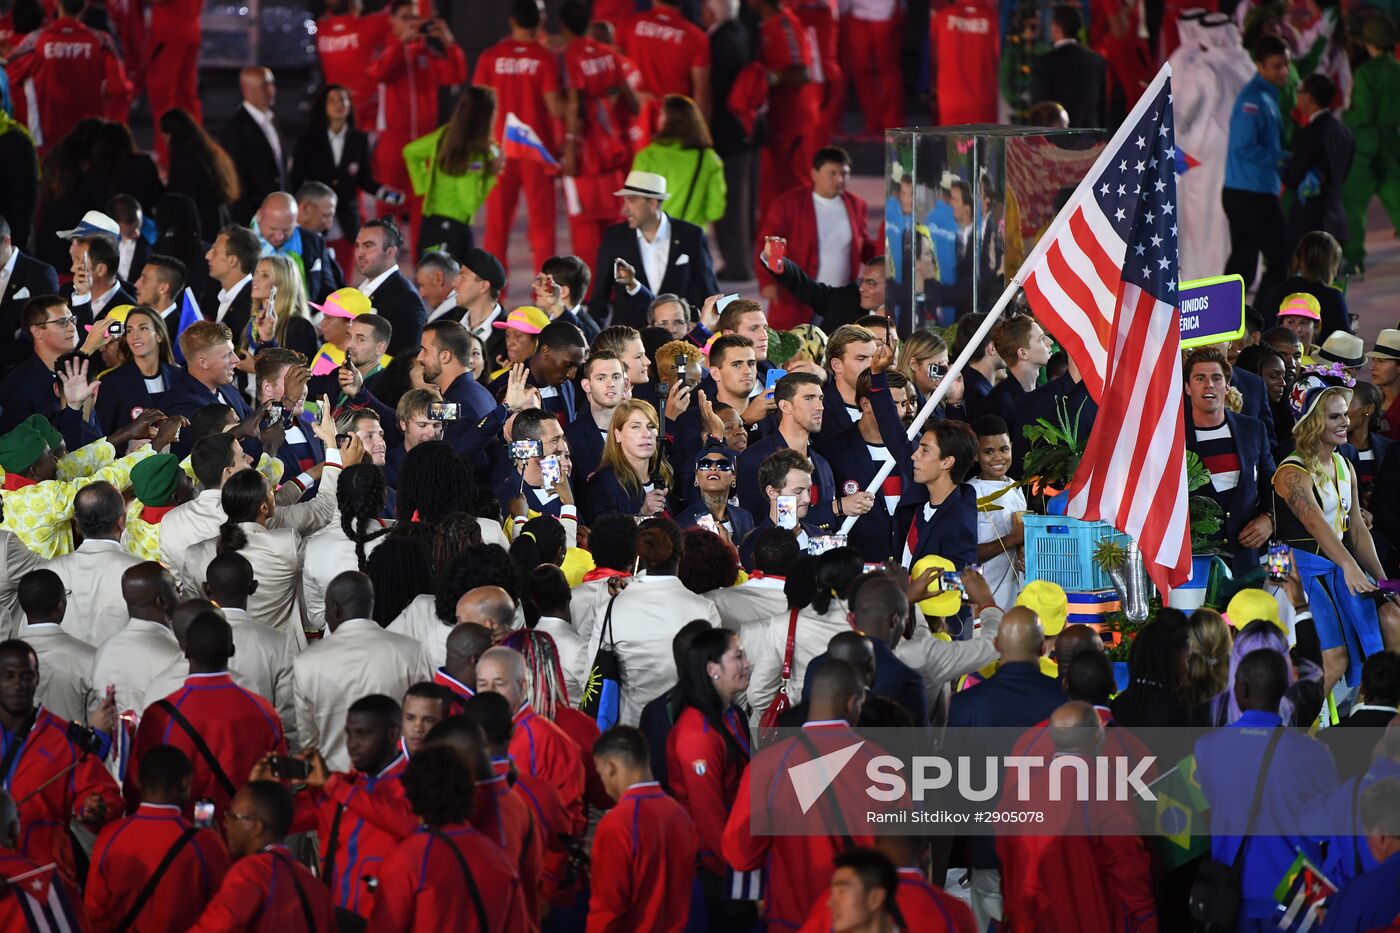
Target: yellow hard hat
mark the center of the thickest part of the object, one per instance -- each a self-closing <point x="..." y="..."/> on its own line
<point x="946" y="603"/>
<point x="1048" y="601"/>
<point x="1250" y="605"/>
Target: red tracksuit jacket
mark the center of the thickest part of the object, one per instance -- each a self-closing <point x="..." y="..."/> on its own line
<point x="705" y="772"/>
<point x="34" y="890"/>
<point x="361" y="843"/>
<point x="504" y="817"/>
<point x="540" y="748"/>
<point x="44" y="818"/>
<point x="410" y="77"/>
<point x="552" y="822"/>
<point x="444" y="679"/>
<point x="128" y="852"/>
<point x="239" y="727"/>
<point x="797" y="868"/>
<point x="1085" y="859"/>
<point x="665" y="46"/>
<point x="343" y="44"/>
<point x="643" y="864"/>
<point x="77" y="73"/>
<point x="421" y="887"/>
<point x="925" y="909"/>
<point x="583" y="729"/>
<point x="521" y="74"/>
<point x="259" y="895"/>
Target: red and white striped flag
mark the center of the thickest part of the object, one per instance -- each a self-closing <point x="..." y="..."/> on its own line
<point x="1103" y="281"/>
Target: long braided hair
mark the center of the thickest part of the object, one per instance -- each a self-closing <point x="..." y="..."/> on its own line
<point x="544" y="676"/>
<point x="360" y="495"/>
<point x="450" y="537"/>
<point x="433" y="483"/>
<point x="400" y="572"/>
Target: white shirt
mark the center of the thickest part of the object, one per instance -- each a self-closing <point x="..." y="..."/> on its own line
<point x="126" y="252"/>
<point x="769" y="643"/>
<point x="656" y="253"/>
<point x="645" y="618"/>
<point x="368" y="286"/>
<point x="833" y="241"/>
<point x="448" y="305"/>
<point x="8" y="271"/>
<point x="269" y="129"/>
<point x="100" y="302"/>
<point x="483" y="330"/>
<point x="227" y="296"/>
<point x="999" y="570"/>
<point x="337" y="142"/>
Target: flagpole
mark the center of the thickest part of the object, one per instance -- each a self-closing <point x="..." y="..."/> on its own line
<point x="979" y="338"/>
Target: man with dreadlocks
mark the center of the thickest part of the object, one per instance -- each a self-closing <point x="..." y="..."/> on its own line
<point x="360" y="496"/>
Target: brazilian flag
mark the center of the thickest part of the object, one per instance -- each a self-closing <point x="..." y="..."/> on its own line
<point x="1179" y="817"/>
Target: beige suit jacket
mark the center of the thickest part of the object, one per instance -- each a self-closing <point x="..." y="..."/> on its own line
<point x="65" y="670"/>
<point x="131" y="659"/>
<point x="93" y="574"/>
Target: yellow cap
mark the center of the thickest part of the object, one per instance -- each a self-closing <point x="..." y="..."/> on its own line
<point x="1301" y="304"/>
<point x="527" y="319"/>
<point x="1250" y="605"/>
<point x="1049" y="602"/>
<point x="946" y="603"/>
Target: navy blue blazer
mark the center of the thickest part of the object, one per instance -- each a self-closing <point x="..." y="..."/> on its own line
<point x="952" y="533"/>
<point x="739" y="519"/>
<point x="1256" y="400"/>
<point x="585" y="443"/>
<point x="602" y="493"/>
<point x="689" y="273"/>
<point x="28" y="390"/>
<point x="1019" y="408"/>
<point x="393" y="463"/>
<point x="1017" y="696"/>
<point x="481" y="419"/>
<point x="851" y="462"/>
<point x="824" y="488"/>
<point x="1254" y="493"/>
<point x="397" y="300"/>
<point x="894" y="680"/>
<point x="32" y="278"/>
<point x="185" y="395"/>
<point x="124" y="391"/>
<point x="510" y="487"/>
<point x="318" y="262"/>
<point x="835" y="418"/>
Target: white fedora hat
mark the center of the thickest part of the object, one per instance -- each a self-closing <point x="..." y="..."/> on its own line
<point x="1387" y="345"/>
<point x="644" y="185"/>
<point x="1342" y="347"/>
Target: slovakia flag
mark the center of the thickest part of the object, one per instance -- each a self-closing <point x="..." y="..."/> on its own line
<point x="522" y="142"/>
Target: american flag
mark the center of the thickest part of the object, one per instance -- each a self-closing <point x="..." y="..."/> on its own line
<point x="1103" y="281"/>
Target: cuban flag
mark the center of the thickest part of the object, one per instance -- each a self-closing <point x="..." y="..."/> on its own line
<point x="522" y="142"/>
<point x="189" y="314"/>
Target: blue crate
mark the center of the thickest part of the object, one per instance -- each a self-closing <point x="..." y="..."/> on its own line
<point x="1061" y="550"/>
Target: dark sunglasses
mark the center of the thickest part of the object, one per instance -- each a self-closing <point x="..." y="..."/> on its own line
<point x="723" y="466"/>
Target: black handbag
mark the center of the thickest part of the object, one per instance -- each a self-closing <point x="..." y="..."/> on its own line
<point x="1218" y="892"/>
<point x="602" y="695"/>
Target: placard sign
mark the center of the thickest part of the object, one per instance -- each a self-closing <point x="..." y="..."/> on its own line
<point x="1212" y="310"/>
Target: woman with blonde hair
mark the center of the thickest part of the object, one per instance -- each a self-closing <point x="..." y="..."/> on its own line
<point x="683" y="152"/>
<point x="1207" y="658"/>
<point x="632" y="476"/>
<point x="1318" y="506"/>
<point x="453" y="169"/>
<point x="921" y="350"/>
<point x="283" y="321"/>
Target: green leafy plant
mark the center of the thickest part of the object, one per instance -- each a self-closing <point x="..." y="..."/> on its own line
<point x="1204" y="513"/>
<point x="1110" y="554"/>
<point x="1127" y="630"/>
<point x="1056" y="448"/>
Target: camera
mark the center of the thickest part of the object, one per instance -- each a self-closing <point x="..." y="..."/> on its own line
<point x="204" y="814"/>
<point x="935" y="371"/>
<point x="274" y="415"/>
<point x="526" y="449"/>
<point x="444" y="411"/>
<point x="1276" y="565"/>
<point x="114" y="329"/>
<point x="293" y="769"/>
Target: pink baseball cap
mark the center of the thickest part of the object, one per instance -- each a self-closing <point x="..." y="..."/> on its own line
<point x="348" y="303"/>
